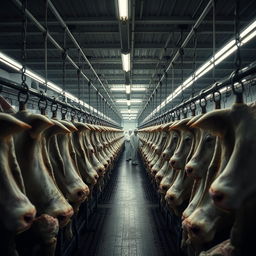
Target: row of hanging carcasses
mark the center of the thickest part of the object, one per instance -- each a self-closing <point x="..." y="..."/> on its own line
<point x="204" y="169"/>
<point x="48" y="168"/>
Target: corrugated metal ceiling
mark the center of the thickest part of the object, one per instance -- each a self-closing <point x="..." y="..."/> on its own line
<point x="95" y="26"/>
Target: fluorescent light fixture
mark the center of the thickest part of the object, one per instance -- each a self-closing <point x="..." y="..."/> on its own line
<point x="126" y="62"/>
<point x="35" y="76"/>
<point x="128" y="89"/>
<point x="123" y="8"/>
<point x="122" y="89"/>
<point x="10" y="62"/>
<point x="129" y="118"/>
<point x="128" y="103"/>
<point x="245" y="36"/>
<point x="121" y="101"/>
<point x="137" y="89"/>
<point x="246" y="31"/>
<point x="248" y="38"/>
<point x="17" y="66"/>
<point x="117" y="89"/>
<point x="130" y="111"/>
<point x="132" y="101"/>
<point x="136" y="101"/>
<point x="225" y="55"/>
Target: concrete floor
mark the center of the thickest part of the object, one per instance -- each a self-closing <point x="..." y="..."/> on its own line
<point x="128" y="220"/>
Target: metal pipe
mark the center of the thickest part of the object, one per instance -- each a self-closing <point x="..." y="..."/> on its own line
<point x="249" y="70"/>
<point x="189" y="36"/>
<point x="52" y="40"/>
<point x="63" y="24"/>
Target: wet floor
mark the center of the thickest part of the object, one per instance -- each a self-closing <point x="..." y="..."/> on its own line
<point x="128" y="220"/>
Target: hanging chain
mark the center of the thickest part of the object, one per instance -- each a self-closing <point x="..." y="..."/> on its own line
<point x="89" y="96"/>
<point x="24" y="35"/>
<point x="24" y="57"/>
<point x="166" y="87"/>
<point x="78" y="78"/>
<point x="237" y="35"/>
<point x="45" y="46"/>
<point x="64" y="57"/>
<point x="194" y="64"/>
<point x="160" y="94"/>
<point x="172" y="82"/>
<point x="238" y="92"/>
<point x="182" y="75"/>
<point x="213" y="39"/>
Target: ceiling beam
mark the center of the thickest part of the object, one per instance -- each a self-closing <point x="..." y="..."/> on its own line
<point x="141" y="67"/>
<point x="109" y="32"/>
<point x="96" y="46"/>
<point x="147" y="20"/>
<point x="137" y="60"/>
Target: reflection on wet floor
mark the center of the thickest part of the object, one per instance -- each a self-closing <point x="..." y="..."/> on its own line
<point x="127" y="221"/>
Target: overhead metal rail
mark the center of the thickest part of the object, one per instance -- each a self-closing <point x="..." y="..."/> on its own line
<point x="216" y="87"/>
<point x="10" y="84"/>
<point x="64" y="25"/>
<point x="240" y="75"/>
<point x="183" y="45"/>
<point x="56" y="44"/>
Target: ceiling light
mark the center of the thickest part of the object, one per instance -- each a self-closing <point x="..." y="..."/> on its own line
<point x="128" y="89"/>
<point x="9" y="61"/>
<point x="35" y="76"/>
<point x="246" y="35"/>
<point x="129" y="111"/>
<point x="129" y="118"/>
<point x="246" y="31"/>
<point x="248" y="38"/>
<point x="123" y="9"/>
<point x="128" y="103"/>
<point x="126" y="62"/>
<point x="117" y="89"/>
<point x="17" y="66"/>
<point x="121" y="101"/>
<point x="132" y="101"/>
<point x="139" y="89"/>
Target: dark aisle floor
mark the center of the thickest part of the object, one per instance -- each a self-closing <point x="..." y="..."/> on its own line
<point x="128" y="220"/>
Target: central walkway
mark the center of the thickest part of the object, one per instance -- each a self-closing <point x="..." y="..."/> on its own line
<point x="128" y="220"/>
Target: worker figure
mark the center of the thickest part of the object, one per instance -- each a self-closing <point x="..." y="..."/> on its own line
<point x="134" y="146"/>
<point x="128" y="153"/>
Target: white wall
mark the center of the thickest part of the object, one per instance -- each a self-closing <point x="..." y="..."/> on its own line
<point x="129" y="125"/>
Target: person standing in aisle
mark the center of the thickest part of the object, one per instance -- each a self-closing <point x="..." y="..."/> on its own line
<point x="128" y="152"/>
<point x="134" y="146"/>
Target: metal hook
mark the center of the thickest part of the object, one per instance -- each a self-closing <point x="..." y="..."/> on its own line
<point x="192" y="108"/>
<point x="63" y="111"/>
<point x="177" y="112"/>
<point x="216" y="96"/>
<point x="237" y="93"/>
<point x="42" y="104"/>
<point x="184" y="112"/>
<point x="203" y="105"/>
<point x="54" y="108"/>
<point x="23" y="91"/>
